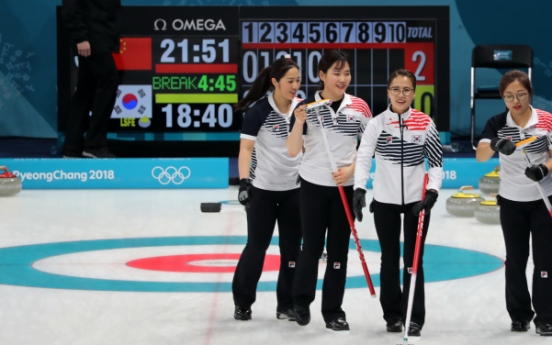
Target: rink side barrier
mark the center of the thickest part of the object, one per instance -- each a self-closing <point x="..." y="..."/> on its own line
<point x="120" y="173"/>
<point x="457" y="172"/>
<point x="175" y="173"/>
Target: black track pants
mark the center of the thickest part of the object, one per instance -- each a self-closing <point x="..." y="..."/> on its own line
<point x="520" y="221"/>
<point x="97" y="84"/>
<point x="265" y="208"/>
<point x="321" y="209"/>
<point x="387" y="218"/>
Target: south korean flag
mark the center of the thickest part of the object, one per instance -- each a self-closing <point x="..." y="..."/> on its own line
<point x="133" y="101"/>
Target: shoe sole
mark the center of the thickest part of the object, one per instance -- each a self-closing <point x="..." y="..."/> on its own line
<point x="303" y="323"/>
<point x="241" y="319"/>
<point x="338" y="331"/>
<point x="544" y="334"/>
<point x="89" y="155"/>
<point x="283" y="316"/>
<point x="395" y="330"/>
<point x="519" y="330"/>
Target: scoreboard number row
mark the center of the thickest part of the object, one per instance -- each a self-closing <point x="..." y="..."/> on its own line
<point x="324" y="32"/>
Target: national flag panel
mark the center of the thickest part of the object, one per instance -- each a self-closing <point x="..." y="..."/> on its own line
<point x="134" y="54"/>
<point x="133" y="101"/>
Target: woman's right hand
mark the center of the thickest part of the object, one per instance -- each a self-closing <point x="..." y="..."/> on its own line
<point x="301" y="114"/>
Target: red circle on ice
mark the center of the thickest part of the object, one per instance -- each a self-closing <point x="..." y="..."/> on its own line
<point x="199" y="263"/>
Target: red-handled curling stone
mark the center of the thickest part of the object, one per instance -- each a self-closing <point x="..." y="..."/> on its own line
<point x="10" y="184"/>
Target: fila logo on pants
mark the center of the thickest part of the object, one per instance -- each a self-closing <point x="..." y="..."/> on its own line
<point x="544" y="274"/>
<point x="337" y="265"/>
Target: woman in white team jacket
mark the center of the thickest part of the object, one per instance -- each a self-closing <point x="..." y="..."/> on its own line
<point x="400" y="137"/>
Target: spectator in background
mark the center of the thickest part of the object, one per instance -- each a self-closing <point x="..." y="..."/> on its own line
<point x="94" y="27"/>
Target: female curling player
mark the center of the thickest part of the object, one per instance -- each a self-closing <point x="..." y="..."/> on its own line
<point x="320" y="203"/>
<point x="523" y="214"/>
<point x="269" y="186"/>
<point x="400" y="137"/>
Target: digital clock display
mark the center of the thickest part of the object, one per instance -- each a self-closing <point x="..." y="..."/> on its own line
<point x="182" y="69"/>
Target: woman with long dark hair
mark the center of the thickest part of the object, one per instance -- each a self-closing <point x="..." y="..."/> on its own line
<point x="320" y="202"/>
<point x="523" y="213"/>
<point x="269" y="187"/>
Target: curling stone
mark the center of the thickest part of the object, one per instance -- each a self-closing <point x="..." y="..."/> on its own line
<point x="490" y="182"/>
<point x="210" y="207"/>
<point x="10" y="184"/>
<point x="463" y="204"/>
<point x="487" y="212"/>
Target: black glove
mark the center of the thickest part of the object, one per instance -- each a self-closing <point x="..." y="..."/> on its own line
<point x="244" y="192"/>
<point x="359" y="201"/>
<point x="427" y="203"/>
<point x="536" y="172"/>
<point x="502" y="145"/>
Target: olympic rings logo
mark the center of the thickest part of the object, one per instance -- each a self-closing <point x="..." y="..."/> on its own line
<point x="170" y="174"/>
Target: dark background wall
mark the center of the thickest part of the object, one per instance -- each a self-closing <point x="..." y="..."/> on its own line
<point x="28" y="53"/>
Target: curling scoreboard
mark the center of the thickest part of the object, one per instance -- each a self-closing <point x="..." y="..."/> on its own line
<point x="183" y="68"/>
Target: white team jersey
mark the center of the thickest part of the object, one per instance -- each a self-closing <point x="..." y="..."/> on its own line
<point x="514" y="185"/>
<point x="272" y="168"/>
<point x="400" y="156"/>
<point x="342" y="129"/>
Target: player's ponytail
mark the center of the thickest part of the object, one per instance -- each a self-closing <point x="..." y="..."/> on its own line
<point x="258" y="89"/>
<point x="263" y="82"/>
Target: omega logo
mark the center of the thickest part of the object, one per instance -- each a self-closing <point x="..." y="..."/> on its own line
<point x="190" y="25"/>
<point x="160" y="23"/>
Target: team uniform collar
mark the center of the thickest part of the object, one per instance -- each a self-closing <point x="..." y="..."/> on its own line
<point x="272" y="103"/>
<point x="345" y="102"/>
<point x="532" y="121"/>
<point x="404" y="115"/>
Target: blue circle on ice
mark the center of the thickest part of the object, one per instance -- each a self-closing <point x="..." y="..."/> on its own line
<point x="16" y="265"/>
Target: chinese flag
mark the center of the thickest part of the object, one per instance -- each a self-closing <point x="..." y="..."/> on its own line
<point x="134" y="54"/>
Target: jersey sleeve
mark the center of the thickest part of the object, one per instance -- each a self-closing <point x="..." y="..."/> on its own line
<point x="549" y="128"/>
<point x="364" y="155"/>
<point x="251" y="124"/>
<point x="433" y="150"/>
<point x="491" y="129"/>
<point x="365" y="119"/>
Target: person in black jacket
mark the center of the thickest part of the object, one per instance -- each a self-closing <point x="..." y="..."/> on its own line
<point x="94" y="27"/>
